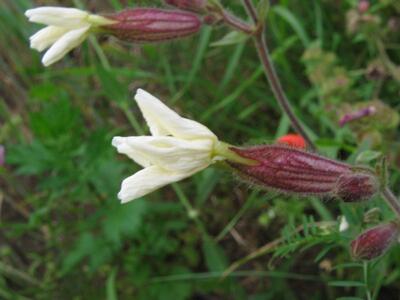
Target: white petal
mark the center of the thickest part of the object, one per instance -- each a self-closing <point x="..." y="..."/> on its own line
<point x="145" y="182"/>
<point x="58" y="16"/>
<point x="122" y="145"/>
<point x="164" y="121"/>
<point x="46" y="37"/>
<point x="169" y="153"/>
<point x="65" y="44"/>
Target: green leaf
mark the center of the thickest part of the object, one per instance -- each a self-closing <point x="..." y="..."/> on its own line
<point x="215" y="258"/>
<point x="292" y="20"/>
<point x="342" y="283"/>
<point x="31" y="159"/>
<point x="111" y="290"/>
<point x="368" y="156"/>
<point x="83" y="247"/>
<point x="233" y="37"/>
<point x="123" y="220"/>
<point x="263" y="8"/>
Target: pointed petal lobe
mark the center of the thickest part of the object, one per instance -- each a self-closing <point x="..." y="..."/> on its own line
<point x="169" y="153"/>
<point x="47" y="36"/>
<point x="65" y="44"/>
<point x="164" y="121"/>
<point x="145" y="182"/>
<point x="57" y="16"/>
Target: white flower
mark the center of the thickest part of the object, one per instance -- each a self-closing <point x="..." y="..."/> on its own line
<point x="177" y="149"/>
<point x="67" y="28"/>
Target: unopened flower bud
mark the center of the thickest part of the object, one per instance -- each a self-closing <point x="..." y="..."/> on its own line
<point x="299" y="172"/>
<point x="375" y="241"/>
<point x="192" y="5"/>
<point x="152" y="25"/>
<point x="356" y="187"/>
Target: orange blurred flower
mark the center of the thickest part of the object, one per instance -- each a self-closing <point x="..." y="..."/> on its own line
<point x="294" y="140"/>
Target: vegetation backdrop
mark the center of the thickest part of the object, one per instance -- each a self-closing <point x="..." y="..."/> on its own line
<point x="64" y="234"/>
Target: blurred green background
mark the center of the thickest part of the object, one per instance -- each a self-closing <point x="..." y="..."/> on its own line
<point x="64" y="234"/>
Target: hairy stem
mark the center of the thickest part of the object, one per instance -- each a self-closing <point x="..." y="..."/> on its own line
<point x="251" y="10"/>
<point x="237" y="23"/>
<point x="277" y="89"/>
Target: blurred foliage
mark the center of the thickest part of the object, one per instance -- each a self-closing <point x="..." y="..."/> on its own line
<point x="63" y="233"/>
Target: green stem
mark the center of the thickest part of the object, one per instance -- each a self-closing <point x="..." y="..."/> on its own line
<point x="191" y="211"/>
<point x="365" y="271"/>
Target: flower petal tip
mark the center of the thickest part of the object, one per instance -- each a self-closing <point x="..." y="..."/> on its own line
<point x="116" y="141"/>
<point x="46" y="61"/>
<point x="29" y="13"/>
<point x="123" y="198"/>
<point x="140" y="94"/>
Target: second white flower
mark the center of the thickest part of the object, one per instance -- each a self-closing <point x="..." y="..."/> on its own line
<point x="177" y="149"/>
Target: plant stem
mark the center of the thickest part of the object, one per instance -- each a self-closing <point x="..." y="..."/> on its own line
<point x="237" y="23"/>
<point x="391" y="200"/>
<point x="251" y="10"/>
<point x="272" y="76"/>
<point x="277" y="89"/>
<point x="365" y="271"/>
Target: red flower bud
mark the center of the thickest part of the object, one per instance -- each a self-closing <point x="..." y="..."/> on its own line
<point x="294" y="140"/>
<point x="152" y="25"/>
<point x="375" y="241"/>
<point x="294" y="171"/>
<point x="193" y="5"/>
